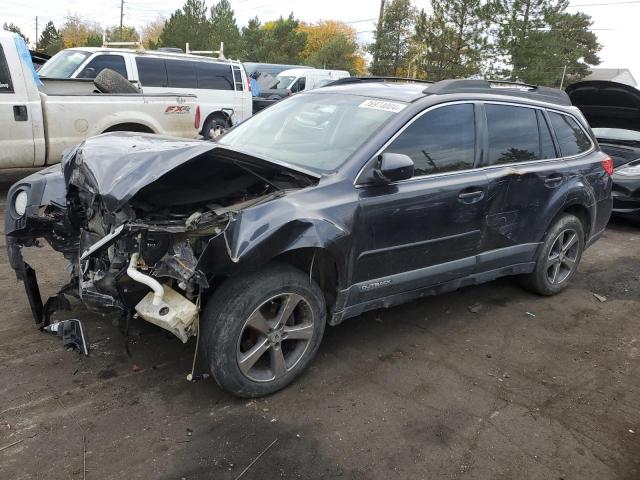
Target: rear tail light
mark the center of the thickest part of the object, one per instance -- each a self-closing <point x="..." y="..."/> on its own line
<point x="248" y="83"/>
<point x="197" y="121"/>
<point x="607" y="164"/>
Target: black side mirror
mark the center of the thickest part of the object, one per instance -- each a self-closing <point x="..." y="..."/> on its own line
<point x="393" y="167"/>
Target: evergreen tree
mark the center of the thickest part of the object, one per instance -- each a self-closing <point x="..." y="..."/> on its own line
<point x="224" y="29"/>
<point x="50" y="41"/>
<point x="188" y="24"/>
<point x="127" y="34"/>
<point x="281" y="41"/>
<point x="252" y="38"/>
<point x="15" y="29"/>
<point x="391" y="45"/>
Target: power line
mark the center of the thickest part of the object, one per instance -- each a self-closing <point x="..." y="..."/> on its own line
<point x="604" y="4"/>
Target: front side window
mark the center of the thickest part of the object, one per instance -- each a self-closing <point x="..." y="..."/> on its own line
<point x="63" y="64"/>
<point x="299" y="85"/>
<point x="214" y="76"/>
<point x="316" y="131"/>
<point x="571" y="138"/>
<point x="181" y="74"/>
<point x="99" y="63"/>
<point x="152" y="71"/>
<point x="5" y="77"/>
<point x="441" y="140"/>
<point x="513" y="134"/>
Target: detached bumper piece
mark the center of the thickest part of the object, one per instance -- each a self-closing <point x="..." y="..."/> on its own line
<point x="74" y="336"/>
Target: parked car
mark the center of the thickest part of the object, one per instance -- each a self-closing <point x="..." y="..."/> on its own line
<point x="330" y="203"/>
<point x="293" y="81"/>
<point x="613" y="111"/>
<point x="40" y="120"/>
<point x="221" y="86"/>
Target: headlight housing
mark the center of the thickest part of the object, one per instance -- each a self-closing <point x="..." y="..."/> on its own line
<point x="20" y="201"/>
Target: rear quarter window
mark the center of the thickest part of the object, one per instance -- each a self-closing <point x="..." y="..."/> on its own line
<point x="5" y="77"/>
<point x="215" y="76"/>
<point x="571" y="138"/>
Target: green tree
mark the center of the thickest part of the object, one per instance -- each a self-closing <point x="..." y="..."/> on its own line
<point x="281" y="41"/>
<point x="151" y="33"/>
<point x="77" y="32"/>
<point x="224" y="29"/>
<point x="252" y="38"/>
<point x="535" y="40"/>
<point x="128" y="34"/>
<point x="50" y="41"/>
<point x="391" y="43"/>
<point x="188" y="24"/>
<point x="337" y="53"/>
<point x="451" y="42"/>
<point x="15" y="29"/>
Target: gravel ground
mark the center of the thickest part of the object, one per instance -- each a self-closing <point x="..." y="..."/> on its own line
<point x="431" y="389"/>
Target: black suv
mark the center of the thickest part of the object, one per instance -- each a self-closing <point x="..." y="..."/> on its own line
<point x="336" y="201"/>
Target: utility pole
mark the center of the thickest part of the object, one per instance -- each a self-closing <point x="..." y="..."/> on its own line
<point x="121" y="14"/>
<point x="36" y="33"/>
<point x="378" y="33"/>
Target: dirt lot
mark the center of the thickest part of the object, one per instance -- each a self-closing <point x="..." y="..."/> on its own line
<point x="428" y="390"/>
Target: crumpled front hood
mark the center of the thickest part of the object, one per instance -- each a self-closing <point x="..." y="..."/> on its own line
<point x="117" y="165"/>
<point x="607" y="104"/>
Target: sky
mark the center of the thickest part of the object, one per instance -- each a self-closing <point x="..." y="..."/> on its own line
<point x="614" y="21"/>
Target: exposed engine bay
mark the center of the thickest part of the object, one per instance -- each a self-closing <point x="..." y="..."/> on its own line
<point x="136" y="220"/>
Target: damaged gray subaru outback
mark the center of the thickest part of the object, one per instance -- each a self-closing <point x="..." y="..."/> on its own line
<point x="360" y="195"/>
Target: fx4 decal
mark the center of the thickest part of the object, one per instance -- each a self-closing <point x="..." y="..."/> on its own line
<point x="178" y="109"/>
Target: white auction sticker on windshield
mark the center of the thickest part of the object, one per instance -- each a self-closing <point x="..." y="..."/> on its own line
<point x="383" y="105"/>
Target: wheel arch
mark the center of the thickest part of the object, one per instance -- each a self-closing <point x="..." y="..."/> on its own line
<point x="217" y="114"/>
<point x="129" y="127"/>
<point x="579" y="210"/>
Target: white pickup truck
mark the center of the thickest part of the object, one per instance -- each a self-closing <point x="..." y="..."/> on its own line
<point x="40" y="119"/>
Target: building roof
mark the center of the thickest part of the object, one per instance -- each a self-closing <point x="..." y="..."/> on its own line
<point x="620" y="75"/>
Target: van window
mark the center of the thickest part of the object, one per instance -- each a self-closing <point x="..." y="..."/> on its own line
<point x="5" y="77"/>
<point x="237" y="77"/>
<point x="216" y="76"/>
<point x="152" y="72"/>
<point x="181" y="74"/>
<point x="99" y="63"/>
<point x="513" y="134"/>
<point x="571" y="138"/>
<point x="441" y="140"/>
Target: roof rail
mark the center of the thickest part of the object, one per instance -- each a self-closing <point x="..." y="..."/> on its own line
<point x="500" y="87"/>
<point x="347" y="80"/>
<point x="206" y="52"/>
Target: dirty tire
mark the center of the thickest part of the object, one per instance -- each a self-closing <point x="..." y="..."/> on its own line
<point x="110" y="81"/>
<point x="541" y="280"/>
<point x="210" y="125"/>
<point x="227" y="329"/>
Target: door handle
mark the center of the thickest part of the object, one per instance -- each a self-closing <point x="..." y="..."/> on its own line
<point x="20" y="113"/>
<point x="471" y="197"/>
<point x="553" y="181"/>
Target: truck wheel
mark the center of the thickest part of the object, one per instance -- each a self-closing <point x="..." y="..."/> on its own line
<point x="214" y="127"/>
<point x="558" y="257"/>
<point x="261" y="330"/>
<point x="110" y="81"/>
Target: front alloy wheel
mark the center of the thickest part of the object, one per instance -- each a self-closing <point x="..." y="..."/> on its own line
<point x="275" y="337"/>
<point x="262" y="329"/>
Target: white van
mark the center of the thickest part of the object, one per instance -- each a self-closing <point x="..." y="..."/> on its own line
<point x="299" y="79"/>
<point x="222" y="86"/>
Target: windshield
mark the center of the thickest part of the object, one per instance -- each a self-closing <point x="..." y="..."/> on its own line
<point x="617" y="134"/>
<point x="283" y="82"/>
<point x="63" y="64"/>
<point x="315" y="131"/>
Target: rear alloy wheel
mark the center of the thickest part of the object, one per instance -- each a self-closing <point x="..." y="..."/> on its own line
<point x="558" y="257"/>
<point x="261" y="330"/>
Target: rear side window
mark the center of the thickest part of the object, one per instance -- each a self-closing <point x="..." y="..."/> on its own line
<point x="5" y="77"/>
<point x="216" y="76"/>
<point x="181" y="74"/>
<point x="571" y="138"/>
<point x="152" y="72"/>
<point x="99" y="63"/>
<point x="441" y="140"/>
<point x="513" y="134"/>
